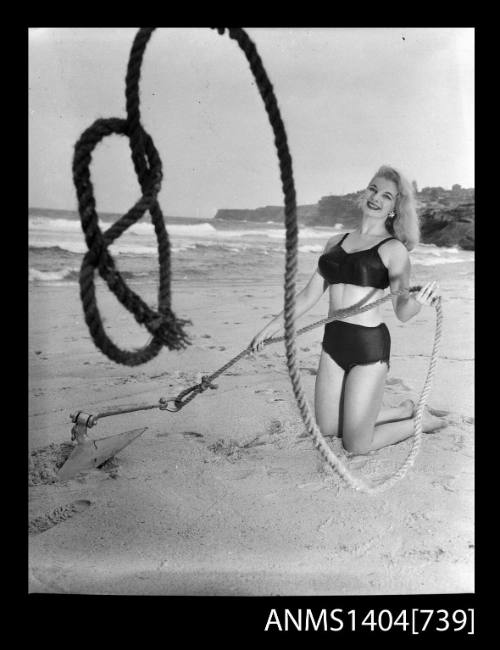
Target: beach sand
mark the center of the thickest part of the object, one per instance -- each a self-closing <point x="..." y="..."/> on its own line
<point x="228" y="496"/>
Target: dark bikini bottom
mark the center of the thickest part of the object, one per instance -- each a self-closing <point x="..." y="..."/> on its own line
<point x="349" y="344"/>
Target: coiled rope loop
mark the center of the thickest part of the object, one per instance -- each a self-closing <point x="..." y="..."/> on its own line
<point x="285" y="163"/>
<point x="165" y="328"/>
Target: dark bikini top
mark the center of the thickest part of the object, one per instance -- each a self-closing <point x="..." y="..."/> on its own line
<point x="363" y="268"/>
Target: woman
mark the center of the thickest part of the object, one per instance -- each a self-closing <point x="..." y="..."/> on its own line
<point x="354" y="361"/>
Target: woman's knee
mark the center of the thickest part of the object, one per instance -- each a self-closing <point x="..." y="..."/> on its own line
<point x="357" y="442"/>
<point x="327" y="423"/>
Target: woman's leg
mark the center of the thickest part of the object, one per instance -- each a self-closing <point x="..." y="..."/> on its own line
<point x="404" y="411"/>
<point x="328" y="399"/>
<point x="363" y="393"/>
<point x="328" y="395"/>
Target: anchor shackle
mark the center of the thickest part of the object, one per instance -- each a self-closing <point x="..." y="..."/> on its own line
<point x="84" y="419"/>
<point x="81" y="422"/>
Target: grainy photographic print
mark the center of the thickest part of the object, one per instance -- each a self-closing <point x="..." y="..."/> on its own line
<point x="251" y="327"/>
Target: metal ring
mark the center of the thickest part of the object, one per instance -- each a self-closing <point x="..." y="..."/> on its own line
<point x="164" y="405"/>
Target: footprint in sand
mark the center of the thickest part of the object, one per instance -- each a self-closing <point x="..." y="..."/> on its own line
<point x="313" y="486"/>
<point x="325" y="524"/>
<point x="193" y="434"/>
<point x="237" y="475"/>
<point x="439" y="413"/>
<point x="444" y="482"/>
<point x="458" y="442"/>
<point x="395" y="381"/>
<point x="276" y="471"/>
<point x="57" y="516"/>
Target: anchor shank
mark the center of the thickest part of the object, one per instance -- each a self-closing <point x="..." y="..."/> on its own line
<point x="125" y="409"/>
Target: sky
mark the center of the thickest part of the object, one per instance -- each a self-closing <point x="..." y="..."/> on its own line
<point x="351" y="100"/>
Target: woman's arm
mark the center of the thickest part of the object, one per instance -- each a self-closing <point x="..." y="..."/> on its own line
<point x="405" y="305"/>
<point x="304" y="300"/>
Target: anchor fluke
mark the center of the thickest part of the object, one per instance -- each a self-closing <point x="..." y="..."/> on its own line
<point x="89" y="454"/>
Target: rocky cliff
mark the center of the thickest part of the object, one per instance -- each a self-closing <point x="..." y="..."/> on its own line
<point x="271" y="213"/>
<point x="449" y="226"/>
<point x="446" y="216"/>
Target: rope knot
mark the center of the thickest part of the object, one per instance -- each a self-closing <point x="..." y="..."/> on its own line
<point x="168" y="329"/>
<point x="154" y="324"/>
<point x="165" y="328"/>
<point x="206" y="383"/>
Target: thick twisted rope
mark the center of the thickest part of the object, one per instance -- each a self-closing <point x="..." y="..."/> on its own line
<point x="207" y="380"/>
<point x="286" y="172"/>
<point x="165" y="328"/>
<point x="337" y="465"/>
<point x="325" y="450"/>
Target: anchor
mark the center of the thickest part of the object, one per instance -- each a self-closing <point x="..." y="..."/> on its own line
<point x="163" y="325"/>
<point x="90" y="454"/>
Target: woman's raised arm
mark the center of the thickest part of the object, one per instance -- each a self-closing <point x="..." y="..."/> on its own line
<point x="405" y="305"/>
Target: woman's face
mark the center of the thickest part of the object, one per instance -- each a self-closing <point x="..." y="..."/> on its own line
<point x="380" y="198"/>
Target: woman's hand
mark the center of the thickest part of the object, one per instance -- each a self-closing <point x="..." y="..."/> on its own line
<point x="428" y="294"/>
<point x="257" y="343"/>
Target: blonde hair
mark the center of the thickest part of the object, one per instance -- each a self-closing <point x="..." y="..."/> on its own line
<point x="405" y="224"/>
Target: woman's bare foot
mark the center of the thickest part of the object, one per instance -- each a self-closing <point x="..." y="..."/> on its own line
<point x="408" y="407"/>
<point x="431" y="423"/>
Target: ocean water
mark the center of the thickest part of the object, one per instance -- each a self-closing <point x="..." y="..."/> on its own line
<point x="201" y="251"/>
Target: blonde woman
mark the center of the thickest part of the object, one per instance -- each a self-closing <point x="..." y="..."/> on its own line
<point x="355" y="353"/>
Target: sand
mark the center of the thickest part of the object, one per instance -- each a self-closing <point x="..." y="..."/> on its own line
<point x="228" y="496"/>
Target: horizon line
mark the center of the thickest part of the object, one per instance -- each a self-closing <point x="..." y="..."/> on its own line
<point x="182" y="216"/>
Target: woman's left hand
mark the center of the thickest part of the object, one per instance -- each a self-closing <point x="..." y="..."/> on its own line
<point x="428" y="294"/>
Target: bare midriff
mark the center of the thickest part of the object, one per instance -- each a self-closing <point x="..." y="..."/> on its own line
<point x="347" y="295"/>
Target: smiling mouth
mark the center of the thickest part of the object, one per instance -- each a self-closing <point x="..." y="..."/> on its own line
<point x="372" y="206"/>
